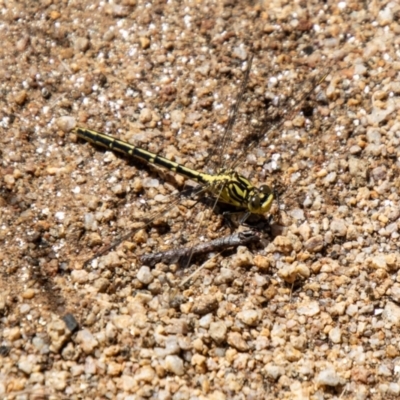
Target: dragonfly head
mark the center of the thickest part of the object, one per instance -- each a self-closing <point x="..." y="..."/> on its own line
<point x="261" y="200"/>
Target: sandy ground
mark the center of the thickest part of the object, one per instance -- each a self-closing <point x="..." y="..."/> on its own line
<point x="310" y="313"/>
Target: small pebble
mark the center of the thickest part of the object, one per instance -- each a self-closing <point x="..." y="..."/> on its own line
<point x="26" y="364"/>
<point x="117" y="10"/>
<point x="57" y="380"/>
<point x="274" y="371"/>
<point x="122" y="321"/>
<point x="9" y="180"/>
<point x="226" y="275"/>
<point x="338" y="227"/>
<point x="174" y="364"/>
<point x="335" y="335"/>
<point x="81" y="44"/>
<point x="205" y="304"/>
<point x="260" y="280"/>
<point x="305" y="231"/>
<point x="79" y="276"/>
<point x="90" y="222"/>
<point x="249" y="317"/>
<point x="145" y="374"/>
<point x="145" y="116"/>
<point x="205" y="321"/>
<point x="22" y="43"/>
<point x="243" y="258"/>
<point x="391" y="314"/>
<point x="379" y="261"/>
<point x="262" y="263"/>
<point x="240" y="53"/>
<point x="198" y="359"/>
<point x="288" y="272"/>
<point x="128" y="383"/>
<point x="383" y="370"/>
<point x="58" y="334"/>
<point x="303" y="271"/>
<point x="394" y="388"/>
<point x="40" y="344"/>
<point x="171" y="345"/>
<point x="94" y="239"/>
<point x="21" y="97"/>
<point x="102" y="285"/>
<point x="330" y="178"/>
<point x="283" y="244"/>
<point x="144" y="275"/>
<point x="86" y="340"/>
<point x="218" y="331"/>
<point x="119" y="189"/>
<point x="354" y="150"/>
<point x="328" y="377"/>
<point x="144" y="42"/>
<point x="177" y="326"/>
<point x="29" y="294"/>
<point x="308" y="309"/>
<point x="114" y="369"/>
<point x="150" y="183"/>
<point x="374" y="136"/>
<point x="140" y="236"/>
<point x="235" y="340"/>
<point x="66" y="123"/>
<point x="24" y="308"/>
<point x="395" y="292"/>
<point x="379" y="173"/>
<point x="314" y="244"/>
<point x="70" y="322"/>
<point x="297" y="214"/>
<point x="12" y="334"/>
<point x="385" y="16"/>
<point x="178" y="116"/>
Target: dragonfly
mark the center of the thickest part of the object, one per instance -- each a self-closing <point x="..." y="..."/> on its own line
<point x="225" y="186"/>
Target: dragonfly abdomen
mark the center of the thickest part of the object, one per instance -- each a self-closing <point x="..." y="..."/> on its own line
<point x="112" y="143"/>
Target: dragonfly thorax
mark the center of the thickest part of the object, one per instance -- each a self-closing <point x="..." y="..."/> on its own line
<point x="235" y="189"/>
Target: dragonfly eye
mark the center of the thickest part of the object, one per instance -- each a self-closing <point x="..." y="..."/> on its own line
<point x="265" y="189"/>
<point x="255" y="202"/>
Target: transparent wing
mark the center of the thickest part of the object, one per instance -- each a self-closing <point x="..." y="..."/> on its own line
<point x="267" y="130"/>
<point x="227" y="135"/>
<point x="175" y="199"/>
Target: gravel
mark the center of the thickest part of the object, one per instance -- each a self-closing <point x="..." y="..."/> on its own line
<point x="312" y="311"/>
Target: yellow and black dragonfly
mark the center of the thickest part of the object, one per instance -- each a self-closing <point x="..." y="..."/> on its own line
<point x="226" y="185"/>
